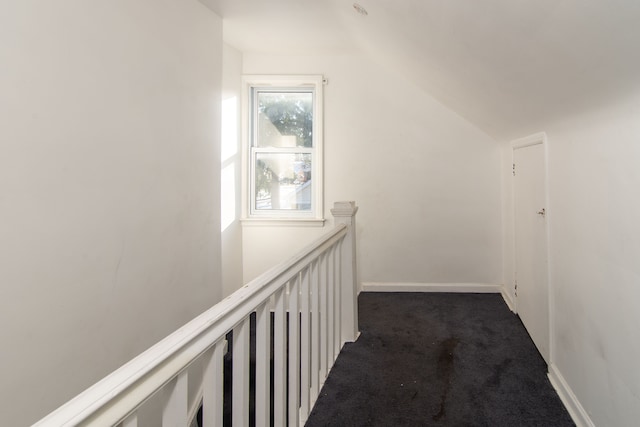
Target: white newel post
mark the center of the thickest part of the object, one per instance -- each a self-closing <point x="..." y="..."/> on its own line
<point x="345" y="213"/>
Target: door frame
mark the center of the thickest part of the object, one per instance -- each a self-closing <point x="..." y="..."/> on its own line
<point x="536" y="139"/>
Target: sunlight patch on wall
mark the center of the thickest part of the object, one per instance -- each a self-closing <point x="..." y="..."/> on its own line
<point x="227" y="196"/>
<point x="229" y="146"/>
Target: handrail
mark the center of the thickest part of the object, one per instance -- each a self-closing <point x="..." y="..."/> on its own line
<point x="114" y="398"/>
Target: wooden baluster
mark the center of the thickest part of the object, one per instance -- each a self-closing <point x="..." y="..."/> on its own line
<point x="322" y="285"/>
<point x="294" y="352"/>
<point x="315" y="331"/>
<point x="263" y="365"/>
<point x="338" y="300"/>
<point x="174" y="410"/>
<point x="240" y="387"/>
<point x="279" y="359"/>
<point x="331" y="309"/>
<point x="305" y="347"/>
<point x="213" y="385"/>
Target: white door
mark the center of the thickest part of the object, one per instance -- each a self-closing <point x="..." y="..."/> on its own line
<point x="532" y="303"/>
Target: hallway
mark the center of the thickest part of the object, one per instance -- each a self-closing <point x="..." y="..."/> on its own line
<point x="438" y="359"/>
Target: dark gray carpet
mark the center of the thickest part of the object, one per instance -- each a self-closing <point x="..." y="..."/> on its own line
<point x="434" y="359"/>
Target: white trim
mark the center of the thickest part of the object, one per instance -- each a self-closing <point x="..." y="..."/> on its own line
<point x="284" y="81"/>
<point x="550" y="287"/>
<point x="528" y="141"/>
<point x="282" y="222"/>
<point x="508" y="300"/>
<point x="578" y="414"/>
<point x="431" y="287"/>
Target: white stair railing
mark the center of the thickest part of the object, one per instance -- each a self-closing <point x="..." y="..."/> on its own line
<point x="318" y="286"/>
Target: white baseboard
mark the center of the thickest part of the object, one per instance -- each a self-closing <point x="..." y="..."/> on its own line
<point x="508" y="300"/>
<point x="431" y="287"/>
<point x="575" y="409"/>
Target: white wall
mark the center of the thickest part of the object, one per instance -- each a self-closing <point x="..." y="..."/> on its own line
<point x="427" y="182"/>
<point x="109" y="188"/>
<point x="231" y="171"/>
<point x="594" y="160"/>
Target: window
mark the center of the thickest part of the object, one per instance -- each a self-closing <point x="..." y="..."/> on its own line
<point x="283" y="147"/>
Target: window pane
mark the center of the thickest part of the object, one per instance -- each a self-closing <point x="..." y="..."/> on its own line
<point x="285" y="119"/>
<point x="283" y="181"/>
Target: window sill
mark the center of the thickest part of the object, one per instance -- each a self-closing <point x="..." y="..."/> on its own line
<point x="282" y="222"/>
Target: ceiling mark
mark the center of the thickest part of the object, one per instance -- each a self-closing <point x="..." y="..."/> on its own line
<point x="360" y="9"/>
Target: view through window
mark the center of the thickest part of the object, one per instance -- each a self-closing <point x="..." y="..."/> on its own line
<point x="285" y="175"/>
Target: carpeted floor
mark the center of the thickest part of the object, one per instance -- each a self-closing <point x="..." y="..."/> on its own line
<point x="434" y="359"/>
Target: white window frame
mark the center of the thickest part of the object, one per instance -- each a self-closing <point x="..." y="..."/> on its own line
<point x="314" y="217"/>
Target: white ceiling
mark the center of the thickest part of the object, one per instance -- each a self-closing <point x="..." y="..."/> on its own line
<point x="508" y="66"/>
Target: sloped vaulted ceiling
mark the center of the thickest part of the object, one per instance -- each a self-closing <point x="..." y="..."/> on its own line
<point x="508" y="66"/>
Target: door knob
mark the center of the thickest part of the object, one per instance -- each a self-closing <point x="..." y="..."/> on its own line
<point x="542" y="212"/>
